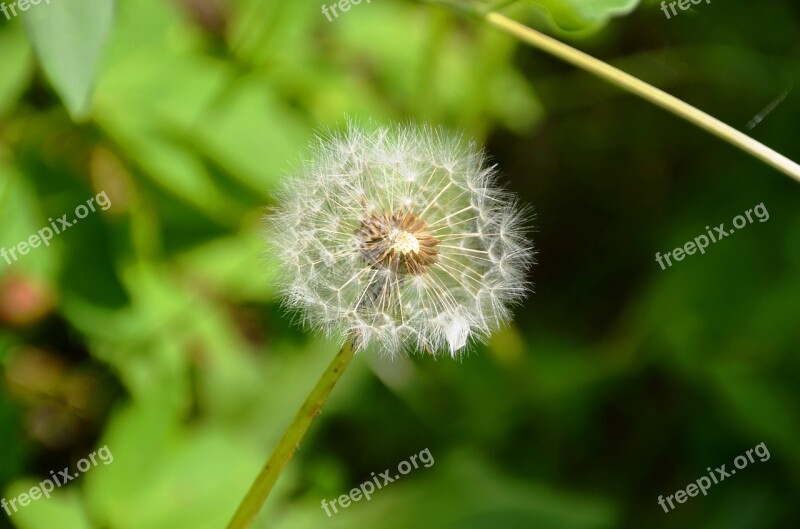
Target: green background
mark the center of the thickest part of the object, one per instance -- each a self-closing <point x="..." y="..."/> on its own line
<point x="153" y="327"/>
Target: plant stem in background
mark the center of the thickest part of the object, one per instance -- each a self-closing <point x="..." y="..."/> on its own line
<point x="290" y="441"/>
<point x="630" y="83"/>
<point x="646" y="91"/>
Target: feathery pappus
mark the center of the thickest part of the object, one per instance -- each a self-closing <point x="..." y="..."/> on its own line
<point x="400" y="237"/>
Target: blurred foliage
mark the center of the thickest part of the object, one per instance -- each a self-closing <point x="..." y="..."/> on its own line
<point x="580" y="15"/>
<point x="152" y="327"/>
<point x="69" y="38"/>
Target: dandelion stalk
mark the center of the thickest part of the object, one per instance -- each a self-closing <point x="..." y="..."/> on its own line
<point x="633" y="85"/>
<point x="290" y="441"/>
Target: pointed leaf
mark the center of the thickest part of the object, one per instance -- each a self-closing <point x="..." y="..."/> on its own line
<point x="68" y="38"/>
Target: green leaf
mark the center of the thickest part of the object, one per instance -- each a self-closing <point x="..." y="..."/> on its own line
<point x="21" y="216"/>
<point x="68" y="38"/>
<point x="182" y="479"/>
<point x="577" y="15"/>
<point x="63" y="509"/>
<point x="15" y="68"/>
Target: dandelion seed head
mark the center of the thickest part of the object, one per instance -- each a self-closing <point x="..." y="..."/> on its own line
<point x="400" y="237"/>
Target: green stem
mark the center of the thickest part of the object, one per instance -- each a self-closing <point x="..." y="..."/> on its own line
<point x="290" y="441"/>
<point x="630" y="83"/>
<point x="645" y="91"/>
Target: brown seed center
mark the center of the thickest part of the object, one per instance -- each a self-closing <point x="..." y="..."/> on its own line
<point x="398" y="242"/>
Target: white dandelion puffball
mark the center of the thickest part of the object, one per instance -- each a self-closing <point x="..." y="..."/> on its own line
<point x="399" y="237"/>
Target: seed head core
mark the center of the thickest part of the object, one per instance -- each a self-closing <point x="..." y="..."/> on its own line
<point x="398" y="242"/>
<point x="405" y="242"/>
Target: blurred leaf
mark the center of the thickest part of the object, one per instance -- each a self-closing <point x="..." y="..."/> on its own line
<point x="227" y="264"/>
<point x="144" y="341"/>
<point x="577" y="15"/>
<point x="86" y="248"/>
<point x="64" y="509"/>
<point x="252" y="134"/>
<point x="15" y="68"/>
<point x="194" y="125"/>
<point x="21" y="217"/>
<point x="465" y="78"/>
<point x="182" y="479"/>
<point x="68" y="38"/>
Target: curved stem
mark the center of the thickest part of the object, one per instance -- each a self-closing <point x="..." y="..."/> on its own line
<point x="290" y="441"/>
<point x="627" y="82"/>
<point x="646" y="91"/>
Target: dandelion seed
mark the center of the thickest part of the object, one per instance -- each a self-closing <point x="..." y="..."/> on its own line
<point x="401" y="238"/>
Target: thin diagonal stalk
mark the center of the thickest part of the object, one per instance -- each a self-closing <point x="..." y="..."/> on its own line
<point x="629" y="83"/>
<point x="646" y="91"/>
<point x="290" y="441"/>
